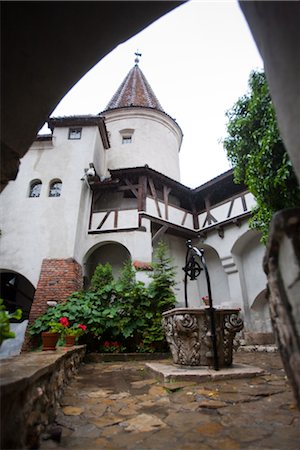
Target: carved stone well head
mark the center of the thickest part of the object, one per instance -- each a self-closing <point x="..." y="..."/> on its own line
<point x="188" y="332"/>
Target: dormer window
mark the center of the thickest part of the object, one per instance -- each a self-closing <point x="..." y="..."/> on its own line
<point x="75" y="133"/>
<point x="127" y="135"/>
<point x="126" y="139"/>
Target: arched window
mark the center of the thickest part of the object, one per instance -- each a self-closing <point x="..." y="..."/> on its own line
<point x="35" y="188"/>
<point x="55" y="188"/>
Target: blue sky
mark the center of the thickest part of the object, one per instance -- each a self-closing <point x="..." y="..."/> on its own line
<point x="197" y="60"/>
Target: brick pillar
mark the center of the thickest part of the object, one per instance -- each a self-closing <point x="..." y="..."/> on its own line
<point x="58" y="279"/>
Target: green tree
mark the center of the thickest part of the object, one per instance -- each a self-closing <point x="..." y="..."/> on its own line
<point x="163" y="279"/>
<point x="102" y="277"/>
<point x="257" y="153"/>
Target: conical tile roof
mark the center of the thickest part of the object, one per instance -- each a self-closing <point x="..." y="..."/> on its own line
<point x="134" y="91"/>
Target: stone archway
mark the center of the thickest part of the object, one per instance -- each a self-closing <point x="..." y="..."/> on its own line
<point x="113" y="253"/>
<point x="16" y="291"/>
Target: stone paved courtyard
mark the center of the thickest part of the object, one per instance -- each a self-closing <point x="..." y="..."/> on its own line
<point x="121" y="406"/>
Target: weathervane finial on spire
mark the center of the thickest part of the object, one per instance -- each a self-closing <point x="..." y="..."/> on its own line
<point x="138" y="55"/>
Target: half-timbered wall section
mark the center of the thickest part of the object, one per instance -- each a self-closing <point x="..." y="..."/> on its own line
<point x="231" y="209"/>
<point x="130" y="196"/>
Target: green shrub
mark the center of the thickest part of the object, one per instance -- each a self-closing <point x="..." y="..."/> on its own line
<point x="5" y="317"/>
<point x="122" y="310"/>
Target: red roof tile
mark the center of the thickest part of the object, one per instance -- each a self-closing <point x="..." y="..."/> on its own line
<point x="134" y="91"/>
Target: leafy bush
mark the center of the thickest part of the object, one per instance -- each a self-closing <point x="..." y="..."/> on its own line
<point x="5" y="317"/>
<point x="123" y="310"/>
<point x="258" y="156"/>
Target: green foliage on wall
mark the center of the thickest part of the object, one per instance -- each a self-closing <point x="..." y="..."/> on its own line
<point x="257" y="153"/>
<point x="5" y="318"/>
<point x="123" y="313"/>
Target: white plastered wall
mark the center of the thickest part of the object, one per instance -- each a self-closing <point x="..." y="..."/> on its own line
<point x="245" y="276"/>
<point x="177" y="251"/>
<point x="156" y="140"/>
<point x="249" y="253"/>
<point x="138" y="244"/>
<point x="45" y="227"/>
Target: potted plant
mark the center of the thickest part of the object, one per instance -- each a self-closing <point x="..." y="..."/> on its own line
<point x="73" y="333"/>
<point x="56" y="329"/>
<point x="205" y="300"/>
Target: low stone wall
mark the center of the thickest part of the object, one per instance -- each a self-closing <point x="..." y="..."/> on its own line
<point x="111" y="357"/>
<point x="31" y="386"/>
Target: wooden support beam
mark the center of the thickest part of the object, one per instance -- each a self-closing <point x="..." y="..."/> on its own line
<point x="209" y="219"/>
<point x="172" y="228"/>
<point x="167" y="191"/>
<point x="195" y="215"/>
<point x="116" y="219"/>
<point x="104" y="219"/>
<point x="127" y="188"/>
<point x="132" y="188"/>
<point x="91" y="210"/>
<point x="184" y="218"/>
<point x="154" y="195"/>
<point x="159" y="233"/>
<point x="142" y="193"/>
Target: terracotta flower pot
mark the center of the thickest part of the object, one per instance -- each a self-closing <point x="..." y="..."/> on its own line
<point x="70" y="340"/>
<point x="49" y="340"/>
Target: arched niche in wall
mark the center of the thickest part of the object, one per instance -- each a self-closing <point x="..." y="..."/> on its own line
<point x="110" y="252"/>
<point x="260" y="314"/>
<point x="218" y="279"/>
<point x="248" y="253"/>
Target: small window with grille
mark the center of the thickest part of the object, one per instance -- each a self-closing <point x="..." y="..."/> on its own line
<point x="35" y="188"/>
<point x="126" y="139"/>
<point x="75" y="133"/>
<point x="127" y="135"/>
<point x="55" y="188"/>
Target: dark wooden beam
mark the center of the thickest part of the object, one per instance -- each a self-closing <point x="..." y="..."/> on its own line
<point x="116" y="219"/>
<point x="142" y="193"/>
<point x="132" y="188"/>
<point x="159" y="233"/>
<point x="154" y="195"/>
<point x="103" y="220"/>
<point x="172" y="228"/>
<point x="166" y="190"/>
<point x="184" y="218"/>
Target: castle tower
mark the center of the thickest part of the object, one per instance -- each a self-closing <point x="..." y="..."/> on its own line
<point x="140" y="131"/>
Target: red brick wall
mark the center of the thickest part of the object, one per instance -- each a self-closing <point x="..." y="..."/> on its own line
<point x="58" y="279"/>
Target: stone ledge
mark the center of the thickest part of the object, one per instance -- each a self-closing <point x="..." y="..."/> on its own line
<point x="169" y="372"/>
<point x="31" y="385"/>
<point x="119" y="357"/>
<point x="258" y="348"/>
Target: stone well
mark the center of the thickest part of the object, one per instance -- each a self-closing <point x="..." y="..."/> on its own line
<point x="188" y="332"/>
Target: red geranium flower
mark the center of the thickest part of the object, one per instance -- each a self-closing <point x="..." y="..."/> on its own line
<point x="64" y="321"/>
<point x="83" y="327"/>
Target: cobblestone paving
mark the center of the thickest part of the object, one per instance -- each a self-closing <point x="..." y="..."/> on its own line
<point x="119" y="406"/>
